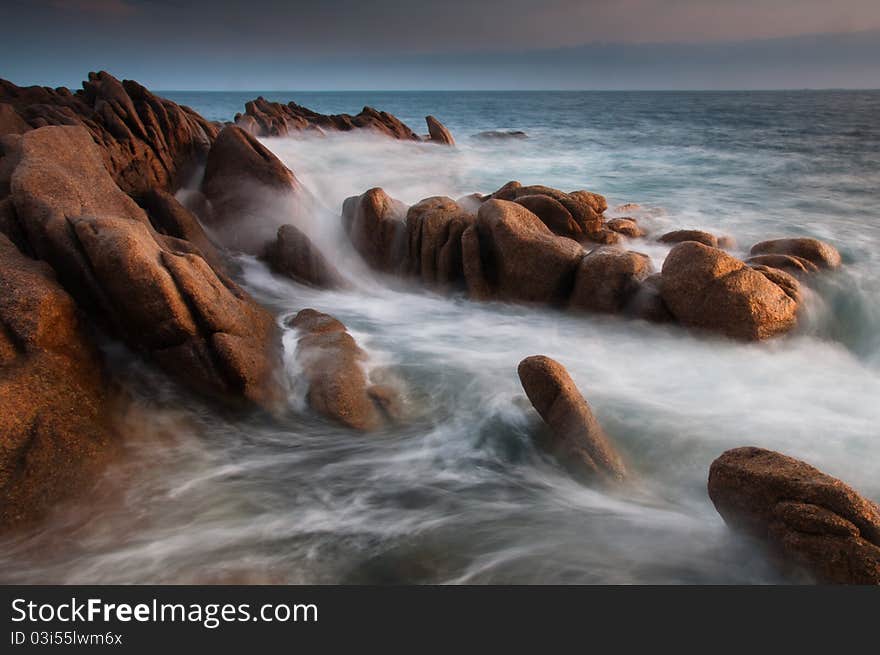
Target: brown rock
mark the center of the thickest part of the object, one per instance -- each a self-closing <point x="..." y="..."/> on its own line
<point x="578" y="441"/>
<point x="434" y="228"/>
<point x="376" y="225"/>
<point x="647" y="302"/>
<point x="10" y="121"/>
<point x="293" y="254"/>
<point x="56" y="431"/>
<point x="521" y="258"/>
<point x="706" y="288"/>
<point x="153" y="290"/>
<point x="146" y="142"/>
<point x="787" y="263"/>
<point x="628" y="227"/>
<point x="680" y="236"/>
<point x="785" y="281"/>
<point x="337" y="385"/>
<point x="507" y="192"/>
<point x="822" y="254"/>
<point x="811" y="519"/>
<point x="552" y="213"/>
<point x="472" y="265"/>
<point x="438" y="132"/>
<point x="276" y="119"/>
<point x="597" y="202"/>
<point x="246" y="185"/>
<point x="582" y="205"/>
<point x="608" y="278"/>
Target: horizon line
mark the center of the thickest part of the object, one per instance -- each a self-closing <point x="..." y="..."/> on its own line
<point x="633" y="90"/>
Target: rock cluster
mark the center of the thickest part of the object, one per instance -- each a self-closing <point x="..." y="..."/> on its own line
<point x="808" y="518"/>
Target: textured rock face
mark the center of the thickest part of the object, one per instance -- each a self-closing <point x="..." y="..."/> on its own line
<point x="438" y="132"/>
<point x="553" y="214"/>
<point x="821" y="254"/>
<point x="294" y="255"/>
<point x="156" y="292"/>
<point x="628" y="227"/>
<point x="607" y="279"/>
<point x="265" y="118"/>
<point x="680" y="236"/>
<point x="578" y="441"/>
<point x="521" y="259"/>
<point x="584" y="207"/>
<point x="434" y="229"/>
<point x="55" y="430"/>
<point x="247" y="187"/>
<point x="376" y="225"/>
<point x="706" y="288"/>
<point x="332" y="364"/>
<point x="812" y="519"/>
<point x="146" y="142"/>
<point x="787" y="263"/>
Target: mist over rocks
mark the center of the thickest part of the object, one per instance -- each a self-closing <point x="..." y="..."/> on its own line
<point x="294" y="255"/>
<point x="809" y="519"/>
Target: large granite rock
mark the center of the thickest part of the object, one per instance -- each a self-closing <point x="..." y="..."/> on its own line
<point x="438" y="132"/>
<point x="577" y="440"/>
<point x="293" y="254"/>
<point x="157" y="292"/>
<point x="706" y="288"/>
<point x="810" y="519"/>
<point x="376" y="225"/>
<point x="146" y="142"/>
<point x="56" y="427"/>
<point x="434" y="228"/>
<point x="607" y="279"/>
<point x="821" y="254"/>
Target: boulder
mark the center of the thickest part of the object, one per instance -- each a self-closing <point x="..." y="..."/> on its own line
<point x="577" y="440"/>
<point x="595" y="201"/>
<point x="434" y="228"/>
<point x="276" y="119"/>
<point x="822" y="254"/>
<point x="552" y="213"/>
<point x="10" y="121"/>
<point x="293" y="254"/>
<point x="247" y="187"/>
<point x="331" y="363"/>
<point x="376" y="225"/>
<point x="706" y="288"/>
<point x="56" y="429"/>
<point x="607" y="279"/>
<point x="521" y="259"/>
<point x="585" y="207"/>
<point x="680" y="236"/>
<point x="628" y="227"/>
<point x="785" y="281"/>
<point x="146" y="142"/>
<point x="808" y="518"/>
<point x="156" y="292"/>
<point x="438" y="132"/>
<point x="787" y="263"/>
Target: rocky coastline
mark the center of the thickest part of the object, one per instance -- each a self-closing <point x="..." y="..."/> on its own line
<point x="94" y="243"/>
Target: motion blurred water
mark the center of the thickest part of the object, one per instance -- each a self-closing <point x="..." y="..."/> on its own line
<point x="458" y="493"/>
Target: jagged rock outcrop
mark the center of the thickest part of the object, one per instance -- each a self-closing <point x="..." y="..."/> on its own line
<point x="146" y="142"/>
<point x="157" y="292"/>
<point x="438" y="132"/>
<point x="706" y="288"/>
<point x="265" y="118"/>
<point x="607" y="280"/>
<point x="376" y="225"/>
<point x="808" y="518"/>
<point x="293" y="254"/>
<point x="56" y="429"/>
<point x="680" y="236"/>
<point x="821" y="254"/>
<point x="251" y="192"/>
<point x="332" y="364"/>
<point x="577" y="440"/>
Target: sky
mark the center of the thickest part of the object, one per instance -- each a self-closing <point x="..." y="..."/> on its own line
<point x="449" y="44"/>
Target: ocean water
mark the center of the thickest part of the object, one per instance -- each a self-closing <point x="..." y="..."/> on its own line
<point x="458" y="493"/>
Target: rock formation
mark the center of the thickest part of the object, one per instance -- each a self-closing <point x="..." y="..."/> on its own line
<point x="438" y="132"/>
<point x="819" y="253"/>
<point x="680" y="236"/>
<point x="808" y="518"/>
<point x="376" y="225"/>
<point x="294" y="255"/>
<point x="577" y="440"/>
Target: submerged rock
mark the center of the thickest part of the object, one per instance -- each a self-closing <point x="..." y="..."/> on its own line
<point x="293" y="254"/>
<point x="810" y="519"/>
<point x="332" y="364"/>
<point x="439" y="132"/>
<point x="822" y="254"/>
<point x="56" y="431"/>
<point x="578" y="441"/>
<point x="501" y="135"/>
<point x="706" y="288"/>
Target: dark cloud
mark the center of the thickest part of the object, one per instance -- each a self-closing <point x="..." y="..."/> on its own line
<point x="271" y="44"/>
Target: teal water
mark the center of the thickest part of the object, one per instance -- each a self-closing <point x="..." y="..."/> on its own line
<point x="458" y="493"/>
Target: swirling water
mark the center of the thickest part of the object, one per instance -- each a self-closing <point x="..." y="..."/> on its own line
<point x="458" y="493"/>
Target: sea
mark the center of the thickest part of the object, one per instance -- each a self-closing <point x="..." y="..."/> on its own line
<point x="457" y="493"/>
